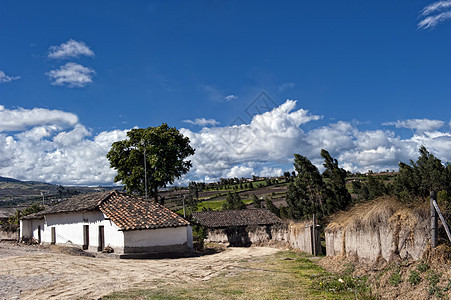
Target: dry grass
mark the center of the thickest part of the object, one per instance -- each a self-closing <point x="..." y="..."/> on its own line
<point x="380" y="211"/>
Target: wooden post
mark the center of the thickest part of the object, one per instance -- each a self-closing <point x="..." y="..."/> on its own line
<point x="314" y="237"/>
<point x="433" y="220"/>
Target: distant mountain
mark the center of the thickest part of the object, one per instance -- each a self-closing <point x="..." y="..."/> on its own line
<point x="18" y="192"/>
<point x="7" y="179"/>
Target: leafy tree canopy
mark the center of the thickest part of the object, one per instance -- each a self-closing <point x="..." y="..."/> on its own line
<point x="166" y="150"/>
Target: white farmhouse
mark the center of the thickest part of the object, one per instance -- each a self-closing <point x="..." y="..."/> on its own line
<point x="132" y="227"/>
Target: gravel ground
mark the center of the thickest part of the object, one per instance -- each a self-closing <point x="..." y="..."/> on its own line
<point x="36" y="272"/>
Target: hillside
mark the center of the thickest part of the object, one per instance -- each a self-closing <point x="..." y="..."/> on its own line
<point x="16" y="192"/>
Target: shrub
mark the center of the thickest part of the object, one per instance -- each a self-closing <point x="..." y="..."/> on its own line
<point x="422" y="267"/>
<point x="414" y="278"/>
<point x="396" y="277"/>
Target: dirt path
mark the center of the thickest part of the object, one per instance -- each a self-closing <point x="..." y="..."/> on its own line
<point x="37" y="275"/>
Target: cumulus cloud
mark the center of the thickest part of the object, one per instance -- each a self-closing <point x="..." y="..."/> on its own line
<point x="21" y="119"/>
<point x="270" y="140"/>
<point x="71" y="75"/>
<point x="434" y="14"/>
<point x="420" y="125"/>
<point x="240" y="171"/>
<point x="5" y="78"/>
<point x="71" y="48"/>
<point x="54" y="147"/>
<point x="269" y="137"/>
<point x="202" y="122"/>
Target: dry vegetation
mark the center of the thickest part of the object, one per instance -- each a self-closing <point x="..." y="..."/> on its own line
<point x="374" y="213"/>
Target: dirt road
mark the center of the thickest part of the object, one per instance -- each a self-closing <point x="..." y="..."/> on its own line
<point x="44" y="275"/>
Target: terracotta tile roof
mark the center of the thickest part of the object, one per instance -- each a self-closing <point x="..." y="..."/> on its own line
<point x="242" y="217"/>
<point x="81" y="202"/>
<point x="126" y="211"/>
<point x="130" y="213"/>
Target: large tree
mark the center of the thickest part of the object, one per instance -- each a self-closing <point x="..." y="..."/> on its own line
<point x="335" y="193"/>
<point x="166" y="150"/>
<point x="304" y="195"/>
<point x="425" y="175"/>
<point x="311" y="194"/>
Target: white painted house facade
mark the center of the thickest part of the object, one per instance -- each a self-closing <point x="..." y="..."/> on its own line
<point x="124" y="223"/>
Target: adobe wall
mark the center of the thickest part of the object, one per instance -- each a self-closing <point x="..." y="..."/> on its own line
<point x="293" y="235"/>
<point x="9" y="236"/>
<point x="379" y="230"/>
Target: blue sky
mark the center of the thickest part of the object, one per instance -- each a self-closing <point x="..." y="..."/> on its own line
<point x="371" y="81"/>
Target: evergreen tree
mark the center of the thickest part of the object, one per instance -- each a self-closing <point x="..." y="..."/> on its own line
<point x="338" y="196"/>
<point x="256" y="201"/>
<point x="271" y="207"/>
<point x="425" y="175"/>
<point x="304" y="196"/>
<point x="233" y="201"/>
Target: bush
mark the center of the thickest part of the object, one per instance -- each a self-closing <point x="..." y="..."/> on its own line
<point x="414" y="278"/>
<point x="396" y="277"/>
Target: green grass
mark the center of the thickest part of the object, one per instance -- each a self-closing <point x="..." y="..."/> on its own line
<point x="285" y="275"/>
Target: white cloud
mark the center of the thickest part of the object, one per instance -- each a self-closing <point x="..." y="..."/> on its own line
<point x="202" y="122"/>
<point x="5" y="78"/>
<point x="435" y="7"/>
<point x="240" y="171"/>
<point x="230" y="98"/>
<point x="72" y="75"/>
<point x="215" y="94"/>
<point x="271" y="136"/>
<point x="52" y="146"/>
<point x="21" y="119"/>
<point x="71" y="48"/>
<point x="285" y="86"/>
<point x="434" y="14"/>
<point x="46" y="152"/>
<point x="270" y="172"/>
<point x="420" y="125"/>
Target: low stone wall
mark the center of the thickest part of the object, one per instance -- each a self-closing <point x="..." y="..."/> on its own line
<point x="383" y="229"/>
<point x="294" y="235"/>
<point x="8" y="236"/>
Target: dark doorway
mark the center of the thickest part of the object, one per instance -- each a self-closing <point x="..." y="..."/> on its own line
<point x="53" y="236"/>
<point x="85" y="237"/>
<point x="101" y="239"/>
<point x="39" y="234"/>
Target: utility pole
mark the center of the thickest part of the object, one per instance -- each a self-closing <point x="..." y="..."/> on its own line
<point x="433" y="220"/>
<point x="184" y="206"/>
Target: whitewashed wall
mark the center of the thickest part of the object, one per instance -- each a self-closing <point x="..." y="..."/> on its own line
<point x="153" y="239"/>
<point x="69" y="231"/>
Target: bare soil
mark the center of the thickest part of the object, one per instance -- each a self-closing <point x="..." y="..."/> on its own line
<point x="36" y="272"/>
